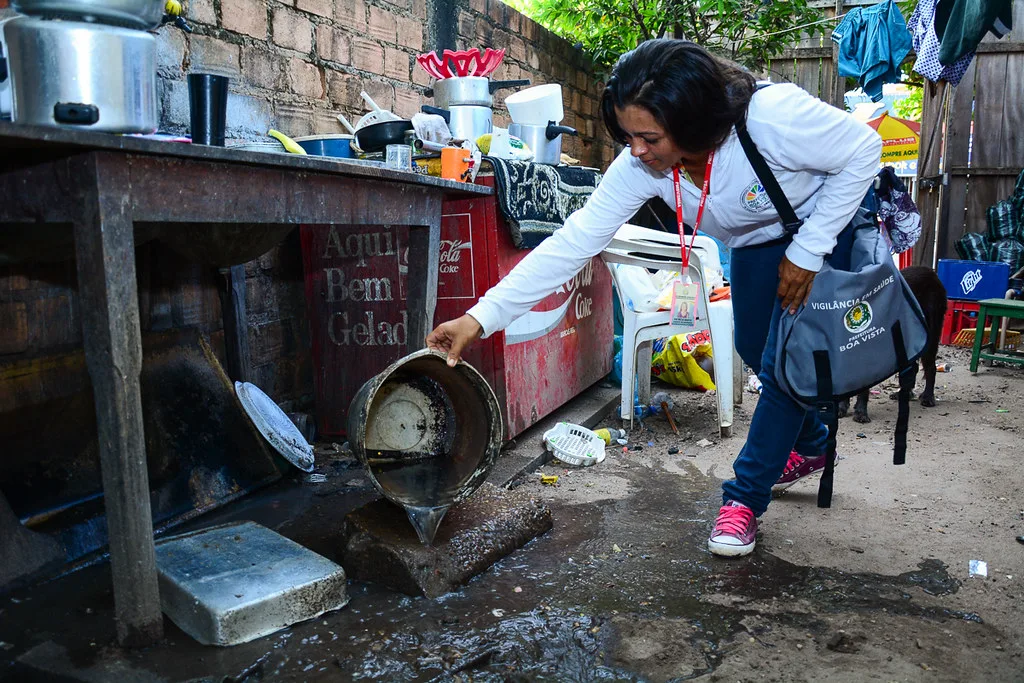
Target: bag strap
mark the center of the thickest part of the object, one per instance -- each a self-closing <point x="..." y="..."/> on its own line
<point x="829" y="414"/>
<point x="907" y="375"/>
<point x="768" y="180"/>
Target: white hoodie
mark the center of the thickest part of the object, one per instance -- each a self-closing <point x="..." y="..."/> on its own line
<point x="823" y="159"/>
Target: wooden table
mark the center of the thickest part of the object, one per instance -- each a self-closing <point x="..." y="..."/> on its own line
<point x="996" y="309"/>
<point x="105" y="187"/>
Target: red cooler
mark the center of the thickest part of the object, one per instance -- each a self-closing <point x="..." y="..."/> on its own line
<point x="355" y="292"/>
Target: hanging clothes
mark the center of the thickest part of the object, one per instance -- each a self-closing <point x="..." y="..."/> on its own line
<point x="873" y="41"/>
<point x="961" y="24"/>
<point x="926" y="45"/>
<point x="901" y="220"/>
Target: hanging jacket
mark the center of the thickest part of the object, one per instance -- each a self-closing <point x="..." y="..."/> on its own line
<point x="961" y="24"/>
<point x="926" y="45"/>
<point x="896" y="209"/>
<point x="873" y="42"/>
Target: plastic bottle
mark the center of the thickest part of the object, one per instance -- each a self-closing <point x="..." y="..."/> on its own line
<point x="754" y="384"/>
<point x="609" y="435"/>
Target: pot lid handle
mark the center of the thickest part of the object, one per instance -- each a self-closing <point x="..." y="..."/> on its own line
<point x="499" y="85"/>
<point x="443" y="113"/>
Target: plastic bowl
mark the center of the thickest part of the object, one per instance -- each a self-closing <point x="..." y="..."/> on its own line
<point x="327" y="145"/>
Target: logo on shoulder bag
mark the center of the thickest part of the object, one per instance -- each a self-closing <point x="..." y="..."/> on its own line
<point x="858" y="317"/>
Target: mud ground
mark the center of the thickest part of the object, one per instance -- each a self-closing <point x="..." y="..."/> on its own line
<point x="877" y="587"/>
<point x="623" y="588"/>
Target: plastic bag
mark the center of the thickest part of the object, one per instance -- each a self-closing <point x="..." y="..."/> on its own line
<point x="1017" y="198"/>
<point x="1003" y="222"/>
<point x="1010" y="252"/>
<point x="616" y="374"/>
<point x="684" y="360"/>
<point x="637" y="287"/>
<point x="973" y="246"/>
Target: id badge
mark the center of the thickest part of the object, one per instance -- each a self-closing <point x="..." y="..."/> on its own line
<point x="684" y="303"/>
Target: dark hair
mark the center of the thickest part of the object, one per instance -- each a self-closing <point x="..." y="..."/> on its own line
<point x="695" y="96"/>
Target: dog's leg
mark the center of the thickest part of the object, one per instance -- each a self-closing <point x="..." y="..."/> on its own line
<point x="928" y="361"/>
<point x="843" y="407"/>
<point x="860" y="409"/>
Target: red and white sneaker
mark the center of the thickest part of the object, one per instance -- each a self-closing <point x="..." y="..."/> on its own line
<point x="798" y="467"/>
<point x="735" y="530"/>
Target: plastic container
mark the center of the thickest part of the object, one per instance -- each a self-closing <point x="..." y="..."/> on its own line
<point x="398" y="157"/>
<point x="574" y="445"/>
<point x="208" y="106"/>
<point x="536" y="106"/>
<point x="327" y="145"/>
<point x="608" y="435"/>
<point x="973" y="280"/>
<point x="960" y="315"/>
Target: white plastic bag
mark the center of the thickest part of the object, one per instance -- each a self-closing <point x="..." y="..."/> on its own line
<point x="637" y="288"/>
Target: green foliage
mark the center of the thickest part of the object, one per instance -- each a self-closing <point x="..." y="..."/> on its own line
<point x="746" y="31"/>
<point x="910" y="106"/>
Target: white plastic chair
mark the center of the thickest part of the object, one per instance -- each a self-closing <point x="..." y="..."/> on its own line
<point x="636" y="246"/>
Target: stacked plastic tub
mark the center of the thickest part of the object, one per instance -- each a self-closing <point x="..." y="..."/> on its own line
<point x="989" y="260"/>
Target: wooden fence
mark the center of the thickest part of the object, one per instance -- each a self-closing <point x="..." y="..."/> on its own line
<point x="972" y="136"/>
<point x="972" y="144"/>
<point x="812" y="62"/>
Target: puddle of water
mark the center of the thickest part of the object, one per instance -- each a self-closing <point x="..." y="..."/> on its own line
<point x="566" y="607"/>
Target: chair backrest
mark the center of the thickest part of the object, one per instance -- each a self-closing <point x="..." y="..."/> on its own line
<point x="643" y="241"/>
<point x="638" y="236"/>
<point x="613" y="256"/>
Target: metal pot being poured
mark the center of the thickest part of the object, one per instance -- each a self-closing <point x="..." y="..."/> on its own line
<point x="427" y="435"/>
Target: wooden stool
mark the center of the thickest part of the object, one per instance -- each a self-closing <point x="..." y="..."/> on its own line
<point x="996" y="309"/>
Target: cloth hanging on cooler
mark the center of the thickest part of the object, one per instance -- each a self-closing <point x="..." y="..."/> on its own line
<point x="873" y="42"/>
<point x="926" y="45"/>
<point x="961" y="24"/>
<point x="535" y="199"/>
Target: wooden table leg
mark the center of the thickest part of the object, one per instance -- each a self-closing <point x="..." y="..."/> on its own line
<point x="105" y="250"/>
<point x="979" y="332"/>
<point x="424" y="261"/>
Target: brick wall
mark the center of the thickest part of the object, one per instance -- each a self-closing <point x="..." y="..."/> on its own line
<point x="295" y="65"/>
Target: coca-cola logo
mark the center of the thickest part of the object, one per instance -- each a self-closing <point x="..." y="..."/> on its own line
<point x="451" y="254"/>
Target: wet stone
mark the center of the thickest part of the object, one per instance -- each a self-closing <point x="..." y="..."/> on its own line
<point x="379" y="544"/>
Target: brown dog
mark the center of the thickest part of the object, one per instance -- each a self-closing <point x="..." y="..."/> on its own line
<point x="930" y="293"/>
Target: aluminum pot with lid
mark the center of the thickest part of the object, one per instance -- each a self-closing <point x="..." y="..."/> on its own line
<point x="466" y="122"/>
<point x="140" y="14"/>
<point x="61" y="75"/>
<point x="544" y="141"/>
<point x="475" y="91"/>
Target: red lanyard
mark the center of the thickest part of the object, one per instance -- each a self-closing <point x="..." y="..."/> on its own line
<point x="684" y="249"/>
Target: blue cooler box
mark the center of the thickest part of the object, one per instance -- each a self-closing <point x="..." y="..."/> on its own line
<point x="974" y="280"/>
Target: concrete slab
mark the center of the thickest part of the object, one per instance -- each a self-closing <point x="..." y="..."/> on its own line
<point x="380" y="546"/>
<point x="233" y="583"/>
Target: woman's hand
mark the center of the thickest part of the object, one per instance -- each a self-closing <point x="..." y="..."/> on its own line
<point x="794" y="285"/>
<point x="454" y="336"/>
